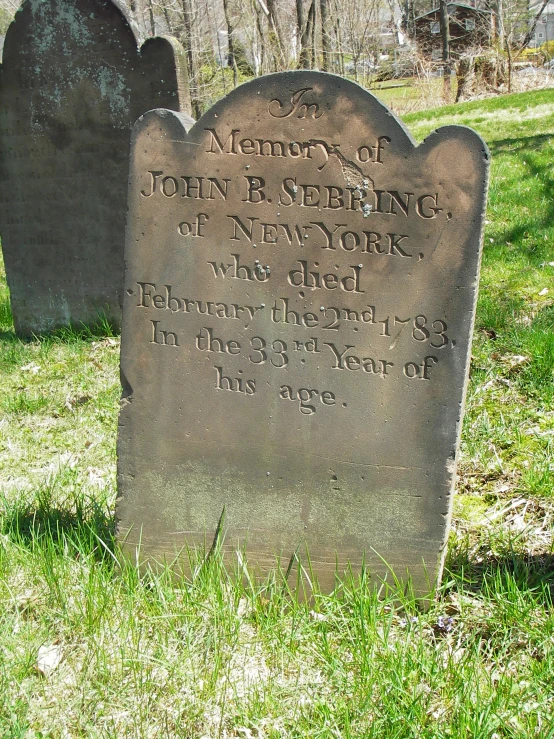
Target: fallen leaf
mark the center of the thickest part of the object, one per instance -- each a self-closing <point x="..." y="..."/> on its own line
<point x="245" y="732"/>
<point x="531" y="431"/>
<point x="452" y="603"/>
<point x="96" y="477"/>
<point x="109" y="341"/>
<point x="27" y="599"/>
<point x="524" y="320"/>
<point x="516" y="361"/>
<point x="489" y="333"/>
<point x="32" y="368"/>
<point x="487" y="385"/>
<point x="49" y="657"/>
<point x="318" y="616"/>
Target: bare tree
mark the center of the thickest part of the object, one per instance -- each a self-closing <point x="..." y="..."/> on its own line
<point x="326" y="40"/>
<point x="532" y="27"/>
<point x="360" y="31"/>
<point x="445" y="37"/>
<point x="276" y="34"/>
<point x="231" y="57"/>
<point x="260" y="61"/>
<point x="151" y="18"/>
<point x="305" y="29"/>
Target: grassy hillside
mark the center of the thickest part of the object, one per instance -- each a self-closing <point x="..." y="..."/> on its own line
<point x="89" y="648"/>
<point x="509" y="426"/>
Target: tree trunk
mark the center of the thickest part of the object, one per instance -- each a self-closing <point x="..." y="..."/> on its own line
<point x="530" y="33"/>
<point x="306" y="32"/>
<point x="408" y="18"/>
<point x="231" y="58"/>
<point x="508" y="42"/>
<point x="303" y="62"/>
<point x="338" y="34"/>
<point x="445" y="36"/>
<point x="312" y="17"/>
<point x="167" y="18"/>
<point x="151" y="18"/>
<point x="261" y="37"/>
<point x="325" y="37"/>
<point x="276" y="26"/>
<point x="196" y="105"/>
<point x="464" y="76"/>
<point x="499" y="17"/>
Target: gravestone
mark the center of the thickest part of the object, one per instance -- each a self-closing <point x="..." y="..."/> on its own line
<point x="299" y="300"/>
<point x="73" y="83"/>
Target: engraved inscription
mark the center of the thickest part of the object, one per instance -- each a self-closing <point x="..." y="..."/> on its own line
<point x="198" y="188"/>
<point x="234" y="144"/>
<point x="299" y="294"/>
<point x="301" y="277"/>
<point x="297" y="106"/>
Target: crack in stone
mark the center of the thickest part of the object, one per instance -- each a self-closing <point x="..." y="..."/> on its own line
<point x="352" y="173"/>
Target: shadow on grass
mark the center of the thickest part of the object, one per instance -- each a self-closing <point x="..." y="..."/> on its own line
<point x="90" y="531"/>
<point x="535" y="158"/>
<point x="484" y="573"/>
<point x="522" y="143"/>
<point x="83" y="524"/>
<point x="100" y="328"/>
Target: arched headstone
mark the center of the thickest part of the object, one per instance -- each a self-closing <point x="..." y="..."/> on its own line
<point x="299" y="301"/>
<point x="73" y="83"/>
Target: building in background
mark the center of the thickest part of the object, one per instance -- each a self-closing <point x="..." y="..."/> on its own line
<point x="544" y="30"/>
<point x="469" y="27"/>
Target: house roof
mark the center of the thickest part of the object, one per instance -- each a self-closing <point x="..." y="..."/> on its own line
<point x="457" y="5"/>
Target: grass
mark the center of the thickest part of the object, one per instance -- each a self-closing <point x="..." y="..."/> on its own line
<point x="220" y="656"/>
<point x="509" y="424"/>
<point x="409" y="93"/>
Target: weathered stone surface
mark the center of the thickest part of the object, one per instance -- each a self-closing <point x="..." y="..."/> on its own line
<point x="73" y="83"/>
<point x="299" y="300"/>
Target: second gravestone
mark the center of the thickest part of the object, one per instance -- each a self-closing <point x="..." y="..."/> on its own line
<point x="299" y="302"/>
<point x="72" y="84"/>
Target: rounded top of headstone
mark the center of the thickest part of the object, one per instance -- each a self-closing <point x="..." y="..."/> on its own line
<point x="299" y="294"/>
<point x="47" y="25"/>
<point x="310" y="97"/>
